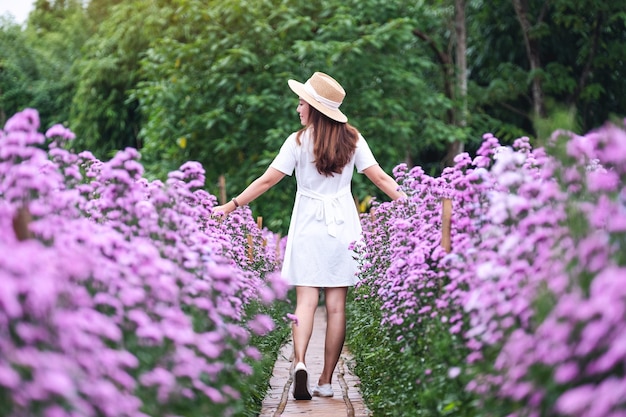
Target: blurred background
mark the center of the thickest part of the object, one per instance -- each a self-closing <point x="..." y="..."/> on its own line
<point x="207" y="80"/>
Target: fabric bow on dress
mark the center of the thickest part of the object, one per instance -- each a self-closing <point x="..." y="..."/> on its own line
<point x="328" y="208"/>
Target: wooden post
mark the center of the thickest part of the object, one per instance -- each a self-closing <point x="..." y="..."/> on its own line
<point x="221" y="184"/>
<point x="21" y="221"/>
<point x="250" y="248"/>
<point x="446" y="224"/>
<point x="278" y="238"/>
<point x="259" y="224"/>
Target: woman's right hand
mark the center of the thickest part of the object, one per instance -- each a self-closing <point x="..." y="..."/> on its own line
<point x="223" y="210"/>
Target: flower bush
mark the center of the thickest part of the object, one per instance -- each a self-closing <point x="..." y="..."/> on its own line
<point x="122" y="296"/>
<point x="526" y="315"/>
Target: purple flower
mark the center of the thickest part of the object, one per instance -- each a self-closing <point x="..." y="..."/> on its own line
<point x="603" y="181"/>
<point x="454" y="372"/>
<point x="59" y="131"/>
<point x="9" y="378"/>
<point x="566" y="372"/>
<point x="26" y="120"/>
<point x="576" y="400"/>
<point x="163" y="379"/>
<point x="56" y="382"/>
<point x="293" y="318"/>
<point x="261" y="324"/>
<point x="610" y="145"/>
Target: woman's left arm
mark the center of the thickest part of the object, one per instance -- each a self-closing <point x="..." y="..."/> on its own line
<point x="384" y="182"/>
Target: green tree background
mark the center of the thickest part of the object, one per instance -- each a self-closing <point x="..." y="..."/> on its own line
<point x="206" y="80"/>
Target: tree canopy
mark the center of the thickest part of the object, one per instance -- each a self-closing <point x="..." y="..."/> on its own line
<point x="207" y="80"/>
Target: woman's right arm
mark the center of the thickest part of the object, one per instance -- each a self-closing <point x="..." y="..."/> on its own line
<point x="266" y="181"/>
<point x="384" y="181"/>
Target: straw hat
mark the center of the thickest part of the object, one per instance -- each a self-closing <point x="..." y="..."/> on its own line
<point x="323" y="93"/>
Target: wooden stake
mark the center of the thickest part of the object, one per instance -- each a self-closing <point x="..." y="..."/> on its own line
<point x="221" y="184"/>
<point x="21" y="220"/>
<point x="446" y="224"/>
<point x="278" y="237"/>
<point x="250" y="248"/>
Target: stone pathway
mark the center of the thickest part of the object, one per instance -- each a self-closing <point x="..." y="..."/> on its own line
<point x="347" y="401"/>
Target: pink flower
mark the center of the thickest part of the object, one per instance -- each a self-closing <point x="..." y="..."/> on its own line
<point x="9" y="378"/>
<point x="293" y="318"/>
<point x="163" y="379"/>
<point x="603" y="181"/>
<point x="566" y="372"/>
<point x="213" y="394"/>
<point x="61" y="132"/>
<point x="575" y="401"/>
<point x="9" y="295"/>
<point x="26" y="120"/>
<point x="611" y="145"/>
<point x="210" y="350"/>
<point x="261" y="324"/>
<point x="454" y="372"/>
<point x="253" y="353"/>
<point x="56" y="382"/>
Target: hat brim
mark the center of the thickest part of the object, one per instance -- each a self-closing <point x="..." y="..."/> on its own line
<point x="298" y="88"/>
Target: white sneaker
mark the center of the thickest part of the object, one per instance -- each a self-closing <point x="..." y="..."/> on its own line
<point x="301" y="382"/>
<point x="325" y="390"/>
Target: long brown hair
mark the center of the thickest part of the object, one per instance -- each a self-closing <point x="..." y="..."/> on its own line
<point x="334" y="142"/>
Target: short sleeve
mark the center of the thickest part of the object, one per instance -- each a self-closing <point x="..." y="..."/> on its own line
<point x="363" y="156"/>
<point x="285" y="161"/>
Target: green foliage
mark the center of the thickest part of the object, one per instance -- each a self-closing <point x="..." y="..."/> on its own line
<point x="560" y="118"/>
<point x="104" y="115"/>
<point x="399" y="378"/>
<point x="196" y="80"/>
<point x="216" y="82"/>
<point x="254" y="390"/>
<point x="213" y="83"/>
<point x="35" y="63"/>
<point x="17" y="69"/>
<point x="578" y="55"/>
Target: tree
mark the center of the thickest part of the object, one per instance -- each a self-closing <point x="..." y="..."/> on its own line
<point x="36" y="61"/>
<point x="206" y="80"/>
<point x="57" y="46"/>
<point x="461" y="66"/>
<point x="104" y="115"/>
<point x="531" y="45"/>
<point x="215" y="87"/>
<point x="568" y="61"/>
<point x="594" y="86"/>
<point x="17" y="70"/>
<point x="447" y="39"/>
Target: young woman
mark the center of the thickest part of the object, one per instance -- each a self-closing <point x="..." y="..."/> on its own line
<point x="324" y="222"/>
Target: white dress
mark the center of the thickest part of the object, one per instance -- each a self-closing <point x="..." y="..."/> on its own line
<point x="325" y="220"/>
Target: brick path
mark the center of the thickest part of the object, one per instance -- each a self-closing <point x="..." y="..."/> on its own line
<point x="347" y="401"/>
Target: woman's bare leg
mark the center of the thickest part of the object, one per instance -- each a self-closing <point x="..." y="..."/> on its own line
<point x="335" y="330"/>
<point x="306" y="304"/>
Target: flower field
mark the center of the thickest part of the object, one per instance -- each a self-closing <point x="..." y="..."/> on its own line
<point x="121" y="296"/>
<point x="526" y="316"/>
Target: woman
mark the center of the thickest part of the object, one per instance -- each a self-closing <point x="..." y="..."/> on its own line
<point x="324" y="221"/>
